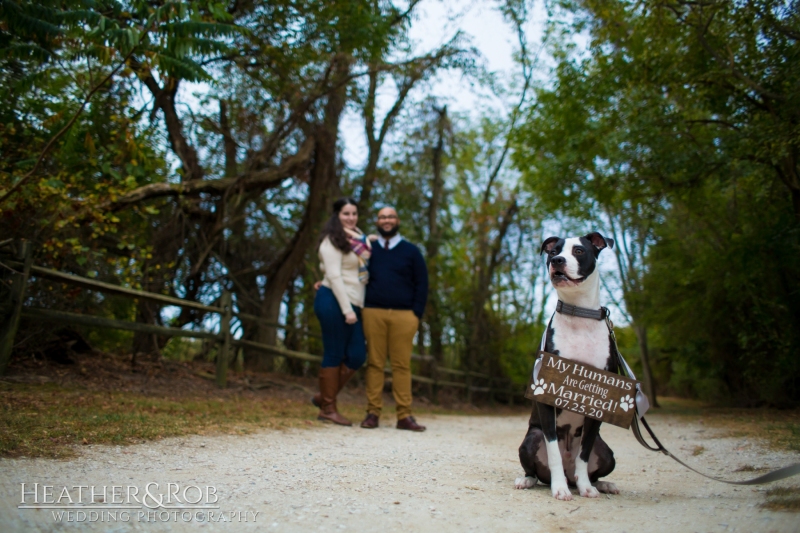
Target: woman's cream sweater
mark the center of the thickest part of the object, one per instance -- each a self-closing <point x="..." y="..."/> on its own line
<point x="341" y="275"/>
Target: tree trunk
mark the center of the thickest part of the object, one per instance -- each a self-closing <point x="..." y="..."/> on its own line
<point x="486" y="265"/>
<point x="541" y="318"/>
<point x="292" y="335"/>
<point x="367" y="183"/>
<point x="227" y="139"/>
<point x="432" y="315"/>
<point x="310" y="324"/>
<point x="322" y="179"/>
<point x="647" y="371"/>
<point x="375" y="139"/>
<point x="166" y="240"/>
<point x="788" y="173"/>
<point x="146" y="344"/>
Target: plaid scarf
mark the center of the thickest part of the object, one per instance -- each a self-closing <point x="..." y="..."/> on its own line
<point x="361" y="247"/>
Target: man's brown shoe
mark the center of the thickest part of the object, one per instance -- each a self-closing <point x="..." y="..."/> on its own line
<point x="408" y="423"/>
<point x="371" y="422"/>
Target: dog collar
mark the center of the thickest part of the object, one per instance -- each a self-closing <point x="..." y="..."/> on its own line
<point x="582" y="312"/>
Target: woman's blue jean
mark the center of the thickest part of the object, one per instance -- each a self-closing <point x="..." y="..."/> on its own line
<point x="341" y="342"/>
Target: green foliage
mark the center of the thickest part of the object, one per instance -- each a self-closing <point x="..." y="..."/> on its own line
<point x="723" y="283"/>
<point x="182" y="349"/>
<point x="107" y="151"/>
<point x="67" y="159"/>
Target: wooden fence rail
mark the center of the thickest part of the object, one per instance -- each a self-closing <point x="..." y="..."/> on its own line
<point x="16" y="269"/>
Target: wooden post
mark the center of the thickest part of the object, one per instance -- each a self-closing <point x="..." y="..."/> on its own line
<point x="469" y="387"/>
<point x="435" y="384"/>
<point x="429" y="365"/>
<point x="224" y="350"/>
<point x="239" y="364"/>
<point x="8" y="330"/>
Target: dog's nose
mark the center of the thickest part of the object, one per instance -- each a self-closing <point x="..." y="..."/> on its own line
<point x="558" y="261"/>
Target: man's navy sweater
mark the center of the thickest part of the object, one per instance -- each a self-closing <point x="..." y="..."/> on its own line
<point x="398" y="278"/>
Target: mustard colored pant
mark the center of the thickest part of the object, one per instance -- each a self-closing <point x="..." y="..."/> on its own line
<point x="390" y="333"/>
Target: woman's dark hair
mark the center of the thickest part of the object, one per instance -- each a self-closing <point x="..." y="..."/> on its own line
<point x="333" y="228"/>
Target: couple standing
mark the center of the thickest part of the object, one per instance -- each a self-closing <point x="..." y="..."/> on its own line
<point x="374" y="287"/>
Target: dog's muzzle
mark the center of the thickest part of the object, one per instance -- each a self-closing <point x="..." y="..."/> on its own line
<point x="558" y="276"/>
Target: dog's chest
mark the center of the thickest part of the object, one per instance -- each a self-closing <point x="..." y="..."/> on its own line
<point x="581" y="339"/>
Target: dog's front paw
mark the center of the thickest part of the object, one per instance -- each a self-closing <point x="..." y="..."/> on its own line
<point x="607" y="488"/>
<point x="524" y="482"/>
<point x="589" y="492"/>
<point x="561" y="492"/>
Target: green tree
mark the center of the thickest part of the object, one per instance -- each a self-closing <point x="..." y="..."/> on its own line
<point x="674" y="111"/>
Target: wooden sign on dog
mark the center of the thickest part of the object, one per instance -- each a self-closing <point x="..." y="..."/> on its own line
<point x="585" y="390"/>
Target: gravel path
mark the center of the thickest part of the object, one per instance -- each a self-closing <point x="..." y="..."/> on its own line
<point x="459" y="475"/>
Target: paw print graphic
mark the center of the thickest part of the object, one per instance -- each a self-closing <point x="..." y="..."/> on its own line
<point x="626" y="403"/>
<point x="538" y="387"/>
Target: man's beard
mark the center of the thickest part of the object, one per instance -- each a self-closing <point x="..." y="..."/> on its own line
<point x="389" y="234"/>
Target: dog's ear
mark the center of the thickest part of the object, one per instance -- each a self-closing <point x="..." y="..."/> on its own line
<point x="548" y="244"/>
<point x="599" y="241"/>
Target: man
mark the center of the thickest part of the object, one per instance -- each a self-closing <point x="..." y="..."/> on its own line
<point x="394" y="303"/>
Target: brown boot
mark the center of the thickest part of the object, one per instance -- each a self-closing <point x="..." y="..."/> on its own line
<point x="329" y="388"/>
<point x="345" y="373"/>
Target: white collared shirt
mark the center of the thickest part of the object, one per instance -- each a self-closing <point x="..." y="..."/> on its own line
<point x="394" y="241"/>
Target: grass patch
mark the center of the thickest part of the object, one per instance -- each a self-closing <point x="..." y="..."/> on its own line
<point x="779" y="428"/>
<point x="48" y="420"/>
<point x="783" y="499"/>
<point x="750" y="468"/>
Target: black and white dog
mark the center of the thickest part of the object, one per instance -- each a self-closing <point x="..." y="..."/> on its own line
<point x="562" y="447"/>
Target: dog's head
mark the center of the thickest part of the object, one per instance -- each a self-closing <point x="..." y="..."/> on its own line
<point x="572" y="261"/>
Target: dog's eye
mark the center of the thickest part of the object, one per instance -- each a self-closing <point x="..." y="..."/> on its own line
<point x="552" y="252"/>
<point x="578" y="251"/>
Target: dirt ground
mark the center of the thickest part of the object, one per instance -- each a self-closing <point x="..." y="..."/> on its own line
<point x="457" y="476"/>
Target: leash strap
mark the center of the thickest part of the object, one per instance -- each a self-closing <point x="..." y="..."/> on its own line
<point x="537" y="365"/>
<point x="642" y="401"/>
<point x="775" y="475"/>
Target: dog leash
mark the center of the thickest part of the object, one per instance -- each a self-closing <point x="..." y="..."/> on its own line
<point x="624" y="369"/>
<point x="775" y="475"/>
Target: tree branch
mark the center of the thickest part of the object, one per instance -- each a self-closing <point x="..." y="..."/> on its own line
<point x="258" y="180"/>
<point x="165" y="101"/>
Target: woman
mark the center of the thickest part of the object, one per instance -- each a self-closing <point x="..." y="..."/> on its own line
<point x="343" y="252"/>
